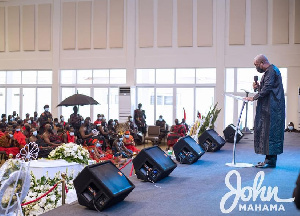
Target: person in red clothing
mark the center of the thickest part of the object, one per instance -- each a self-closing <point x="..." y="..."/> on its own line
<point x="177" y="131"/>
<point x="19" y="137"/>
<point x="129" y="143"/>
<point x="2" y="129"/>
<point x="69" y="136"/>
<point x="99" y="119"/>
<point x="8" y="143"/>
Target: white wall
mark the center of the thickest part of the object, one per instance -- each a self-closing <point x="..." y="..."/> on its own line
<point x="131" y="56"/>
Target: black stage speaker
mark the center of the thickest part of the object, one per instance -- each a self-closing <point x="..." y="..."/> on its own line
<point x="229" y="133"/>
<point x="153" y="164"/>
<point x="210" y="141"/>
<point x="101" y="185"/>
<point x="187" y="150"/>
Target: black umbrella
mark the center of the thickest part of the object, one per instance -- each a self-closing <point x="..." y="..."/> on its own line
<point x="78" y="99"/>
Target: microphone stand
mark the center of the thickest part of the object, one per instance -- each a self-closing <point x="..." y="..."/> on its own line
<point x="233" y="163"/>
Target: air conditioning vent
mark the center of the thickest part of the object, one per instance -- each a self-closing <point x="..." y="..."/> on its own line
<point x="125" y="103"/>
<point x="124" y="90"/>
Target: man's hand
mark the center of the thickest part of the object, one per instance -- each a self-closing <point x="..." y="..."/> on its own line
<point x="248" y="98"/>
<point x="255" y="85"/>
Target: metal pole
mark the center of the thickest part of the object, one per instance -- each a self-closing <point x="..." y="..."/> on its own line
<point x="234" y="164"/>
<point x="236" y="131"/>
<point x="247" y="94"/>
<point x="63" y="187"/>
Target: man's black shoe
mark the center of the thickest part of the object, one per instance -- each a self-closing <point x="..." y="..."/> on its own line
<point x="265" y="165"/>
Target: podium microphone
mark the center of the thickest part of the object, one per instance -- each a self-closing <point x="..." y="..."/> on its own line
<point x="255" y="80"/>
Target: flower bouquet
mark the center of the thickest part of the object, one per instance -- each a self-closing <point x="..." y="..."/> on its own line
<point x="10" y="166"/>
<point x="38" y="187"/>
<point x="70" y="152"/>
<point x="8" y="192"/>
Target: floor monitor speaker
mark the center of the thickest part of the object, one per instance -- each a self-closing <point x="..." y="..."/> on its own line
<point x="187" y="150"/>
<point x="211" y="141"/>
<point x="153" y="164"/>
<point x="229" y="133"/>
<point x="101" y="185"/>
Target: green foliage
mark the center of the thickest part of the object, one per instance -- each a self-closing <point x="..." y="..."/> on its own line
<point x="210" y="119"/>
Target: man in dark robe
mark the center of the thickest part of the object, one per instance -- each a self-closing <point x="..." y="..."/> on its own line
<point x="140" y="119"/>
<point x="270" y="113"/>
<point x="75" y="120"/>
<point x="45" y="118"/>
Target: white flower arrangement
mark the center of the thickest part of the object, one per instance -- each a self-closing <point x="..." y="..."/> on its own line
<point x="70" y="152"/>
<point x="10" y="173"/>
<point x="38" y="187"/>
<point x="9" y="167"/>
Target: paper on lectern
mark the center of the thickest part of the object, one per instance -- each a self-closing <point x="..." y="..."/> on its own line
<point x="237" y="97"/>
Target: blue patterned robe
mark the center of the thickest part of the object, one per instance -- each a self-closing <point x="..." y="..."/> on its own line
<point x="270" y="114"/>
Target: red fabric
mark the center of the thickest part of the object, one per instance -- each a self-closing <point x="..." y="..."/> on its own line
<point x="12" y="150"/>
<point x="70" y="139"/>
<point x="93" y="156"/>
<point x="199" y="115"/>
<point x="129" y="140"/>
<point x="1" y="134"/>
<point x="132" y="148"/>
<point x="129" y="143"/>
<point x="177" y="131"/>
<point x="97" y="122"/>
<point x="20" y="137"/>
<point x="172" y="139"/>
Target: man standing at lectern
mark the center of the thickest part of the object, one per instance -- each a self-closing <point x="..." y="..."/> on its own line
<point x="270" y="112"/>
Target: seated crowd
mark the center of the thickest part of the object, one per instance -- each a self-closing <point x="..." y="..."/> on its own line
<point x="104" y="140"/>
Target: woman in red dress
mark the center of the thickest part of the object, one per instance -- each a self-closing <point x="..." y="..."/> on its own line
<point x="129" y="143"/>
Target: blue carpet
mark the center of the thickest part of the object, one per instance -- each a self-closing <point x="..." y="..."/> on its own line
<point x="197" y="189"/>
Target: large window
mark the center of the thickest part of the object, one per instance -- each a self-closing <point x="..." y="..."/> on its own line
<point x="185" y="101"/>
<point x="101" y="84"/>
<point x="239" y="82"/>
<point x="164" y="103"/>
<point x="205" y="99"/>
<point x="25" y="91"/>
<point x="108" y="99"/>
<point x="169" y="92"/>
<point x="146" y="97"/>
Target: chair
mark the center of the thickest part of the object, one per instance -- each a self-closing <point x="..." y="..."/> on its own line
<point x="153" y="134"/>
